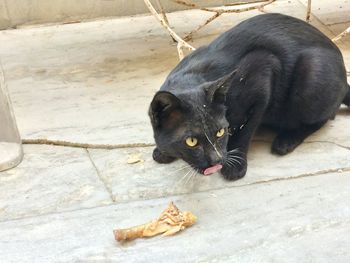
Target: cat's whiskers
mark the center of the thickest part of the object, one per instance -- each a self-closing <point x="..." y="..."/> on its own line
<point x="181" y="168"/>
<point x="190" y="176"/>
<point x="191" y="173"/>
<point x="233" y="162"/>
<point x="231" y="154"/>
<point x="230" y="158"/>
<point x="230" y="164"/>
<point x="184" y="176"/>
<point x="235" y="159"/>
<point x="194" y="176"/>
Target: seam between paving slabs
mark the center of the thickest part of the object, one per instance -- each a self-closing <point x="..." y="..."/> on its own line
<point x="305" y="175"/>
<point x="100" y="177"/>
<point x="309" y="142"/>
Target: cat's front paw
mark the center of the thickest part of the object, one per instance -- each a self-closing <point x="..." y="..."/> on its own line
<point x="283" y="145"/>
<point x="231" y="172"/>
<point x="162" y="158"/>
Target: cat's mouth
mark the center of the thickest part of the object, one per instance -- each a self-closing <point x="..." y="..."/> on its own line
<point x="212" y="169"/>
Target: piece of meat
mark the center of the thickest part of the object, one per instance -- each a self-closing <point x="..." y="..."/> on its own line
<point x="171" y="221"/>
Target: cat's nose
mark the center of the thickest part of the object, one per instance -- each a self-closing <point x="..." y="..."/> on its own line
<point x="214" y="159"/>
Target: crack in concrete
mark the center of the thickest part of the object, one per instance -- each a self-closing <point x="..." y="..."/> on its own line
<point x="304" y="175"/>
<point x="100" y="176"/>
<point x="84" y="145"/>
<point x="301" y="176"/>
<point x="338" y="23"/>
<point x="309" y="142"/>
<point x="134" y="145"/>
<point x="330" y="142"/>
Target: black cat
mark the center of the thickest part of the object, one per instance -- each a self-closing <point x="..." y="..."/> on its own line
<point x="271" y="69"/>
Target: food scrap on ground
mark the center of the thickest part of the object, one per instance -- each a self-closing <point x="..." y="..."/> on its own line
<point x="171" y="221"/>
<point x="135" y="158"/>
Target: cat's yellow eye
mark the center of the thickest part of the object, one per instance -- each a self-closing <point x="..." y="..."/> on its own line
<point x="220" y="133"/>
<point x="191" y="141"/>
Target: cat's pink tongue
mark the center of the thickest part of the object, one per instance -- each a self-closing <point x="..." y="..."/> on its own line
<point x="212" y="169"/>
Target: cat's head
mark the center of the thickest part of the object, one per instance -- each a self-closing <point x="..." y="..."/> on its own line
<point x="191" y="125"/>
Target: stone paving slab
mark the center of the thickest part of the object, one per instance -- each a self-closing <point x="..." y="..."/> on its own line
<point x="87" y="78"/>
<point x="50" y="179"/>
<point x="149" y="180"/>
<point x="335" y="130"/>
<point x="92" y="82"/>
<point x="330" y="12"/>
<point x="302" y="220"/>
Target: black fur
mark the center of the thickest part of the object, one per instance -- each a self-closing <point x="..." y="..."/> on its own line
<point x="271" y="69"/>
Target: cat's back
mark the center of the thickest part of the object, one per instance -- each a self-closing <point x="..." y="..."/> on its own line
<point x="275" y="32"/>
<point x="284" y="36"/>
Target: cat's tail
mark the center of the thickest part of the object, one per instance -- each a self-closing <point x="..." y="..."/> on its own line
<point x="346" y="100"/>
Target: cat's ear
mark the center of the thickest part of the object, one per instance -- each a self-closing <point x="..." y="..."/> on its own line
<point x="216" y="90"/>
<point x="165" y="110"/>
